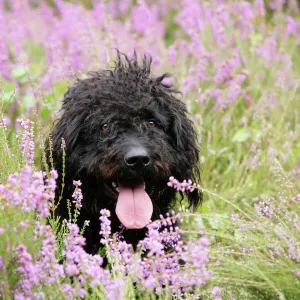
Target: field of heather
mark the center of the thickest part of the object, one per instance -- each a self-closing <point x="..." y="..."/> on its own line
<point x="237" y="64"/>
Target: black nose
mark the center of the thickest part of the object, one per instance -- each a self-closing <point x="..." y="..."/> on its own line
<point x="137" y="157"/>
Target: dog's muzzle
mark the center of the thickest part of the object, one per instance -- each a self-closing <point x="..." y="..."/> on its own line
<point x="134" y="207"/>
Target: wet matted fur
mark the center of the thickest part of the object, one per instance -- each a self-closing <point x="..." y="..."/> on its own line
<point x="103" y="118"/>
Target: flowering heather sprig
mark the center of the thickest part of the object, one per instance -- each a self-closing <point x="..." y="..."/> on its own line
<point x="197" y="255"/>
<point x="84" y="269"/>
<point x="170" y="231"/>
<point x="264" y="209"/>
<point x="51" y="186"/>
<point x="216" y="293"/>
<point x="259" y="7"/>
<point x="185" y="185"/>
<point x="163" y="266"/>
<point x="115" y="289"/>
<point x="163" y="234"/>
<point x="153" y="241"/>
<point x="81" y="265"/>
<point x="50" y="270"/>
<point x="44" y="269"/>
<point x="120" y="254"/>
<point x="85" y="225"/>
<point x="225" y="72"/>
<point x="77" y="196"/>
<point x="297" y="274"/>
<point x="4" y="122"/>
<point x="28" y="190"/>
<point x="159" y="269"/>
<point x="28" y="272"/>
<point x="277" y="170"/>
<point x="296" y="198"/>
<point x="235" y="217"/>
<point x="2" y="265"/>
<point x="27" y="144"/>
<point x="105" y="225"/>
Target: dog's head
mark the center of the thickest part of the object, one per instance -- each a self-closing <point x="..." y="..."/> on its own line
<point x="129" y="129"/>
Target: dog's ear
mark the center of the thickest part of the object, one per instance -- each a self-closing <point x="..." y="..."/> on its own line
<point x="67" y="128"/>
<point x="186" y="145"/>
<point x="74" y="112"/>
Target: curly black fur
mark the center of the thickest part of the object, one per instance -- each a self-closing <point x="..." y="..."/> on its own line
<point x="124" y="98"/>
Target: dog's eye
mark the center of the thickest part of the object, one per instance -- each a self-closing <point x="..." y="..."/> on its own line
<point x="105" y="127"/>
<point x="151" y="124"/>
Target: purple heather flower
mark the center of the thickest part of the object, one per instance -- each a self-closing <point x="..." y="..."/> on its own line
<point x="190" y="16"/>
<point x="105" y="224"/>
<point x="161" y="267"/>
<point x="292" y="28"/>
<point x="276" y="4"/>
<point x="77" y="182"/>
<point x="153" y="271"/>
<point x="2" y="265"/>
<point x="216" y="291"/>
<point x="150" y="283"/>
<point x="264" y="209"/>
<point x="50" y="271"/>
<point x="172" y="55"/>
<point x="84" y="266"/>
<point x="294" y="250"/>
<point x="235" y="217"/>
<point x="259" y="7"/>
<point x="68" y="291"/>
<point x="23" y="224"/>
<point x="115" y="289"/>
<point x="296" y="199"/>
<point x="27" y="144"/>
<point x="182" y="186"/>
<point x="77" y="196"/>
<point x="219" y="32"/>
<point x="29" y="190"/>
<point x="268" y="50"/>
<point x="27" y="270"/>
<point x="145" y="18"/>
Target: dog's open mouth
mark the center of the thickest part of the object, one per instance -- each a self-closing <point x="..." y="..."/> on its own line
<point x="134" y="206"/>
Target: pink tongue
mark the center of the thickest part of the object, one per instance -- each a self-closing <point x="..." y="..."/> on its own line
<point x="134" y="207"/>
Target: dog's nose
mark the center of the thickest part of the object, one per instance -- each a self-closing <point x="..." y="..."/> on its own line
<point x="137" y="157"/>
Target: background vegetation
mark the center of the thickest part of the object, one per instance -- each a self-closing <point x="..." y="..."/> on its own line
<point x="237" y="64"/>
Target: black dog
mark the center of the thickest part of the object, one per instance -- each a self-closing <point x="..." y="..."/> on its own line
<point x="125" y="133"/>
